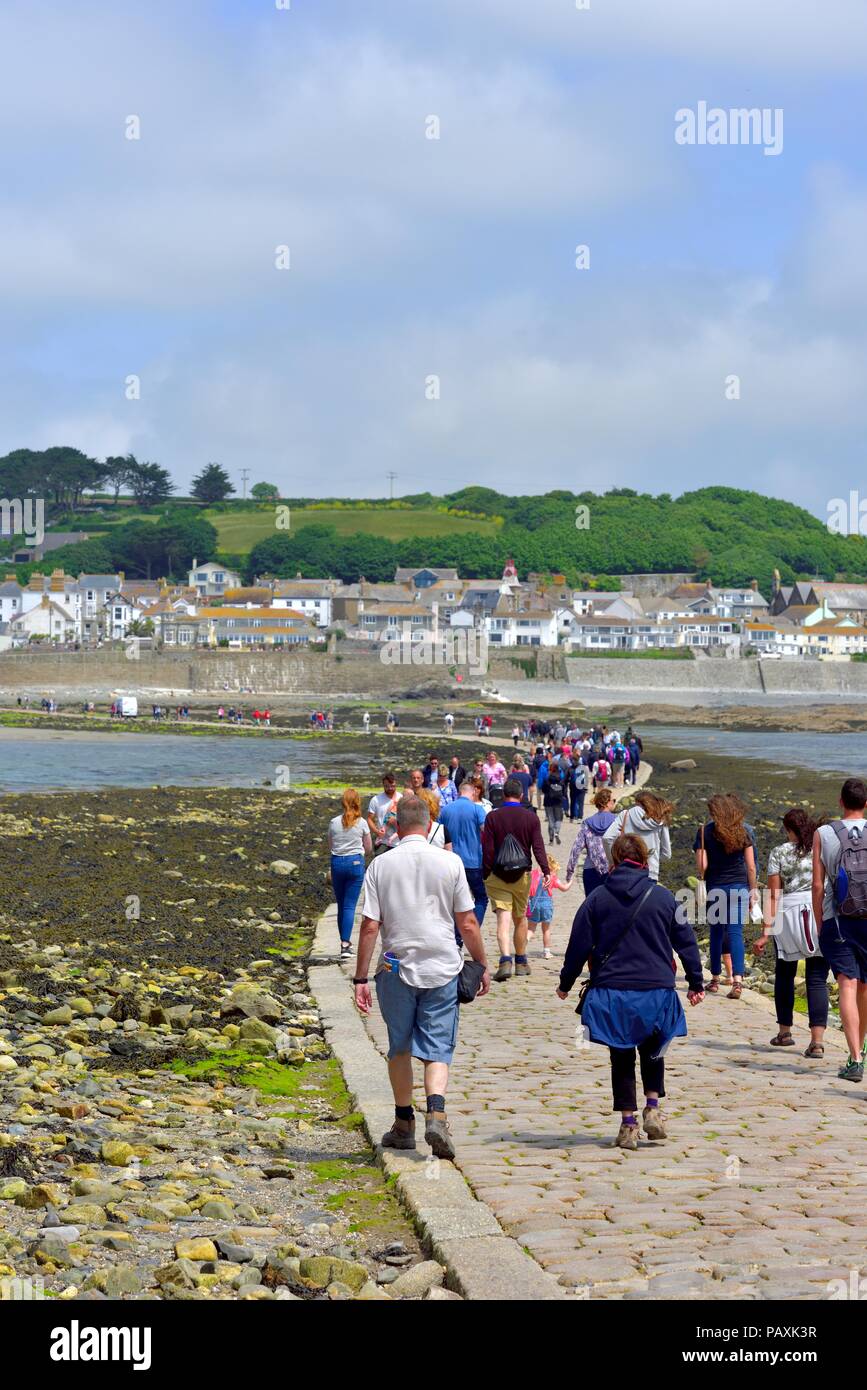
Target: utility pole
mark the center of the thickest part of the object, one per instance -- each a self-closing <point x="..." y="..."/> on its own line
<point x="245" y="474"/>
<point x="391" y="477"/>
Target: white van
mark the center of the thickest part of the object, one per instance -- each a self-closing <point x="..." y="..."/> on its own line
<point x="128" y="707"/>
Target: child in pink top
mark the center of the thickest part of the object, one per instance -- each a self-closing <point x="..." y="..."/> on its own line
<point x="540" y="903"/>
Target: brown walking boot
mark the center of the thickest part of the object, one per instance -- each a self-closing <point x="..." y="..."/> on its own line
<point x="504" y="972"/>
<point x="522" y="967"/>
<point x="627" y="1137"/>
<point x="652" y="1123"/>
<point x="438" y="1134"/>
<point x="400" y="1136"/>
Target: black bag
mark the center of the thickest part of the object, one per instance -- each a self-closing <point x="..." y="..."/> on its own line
<point x="469" y="981"/>
<point x="610" y="952"/>
<point x="512" y="859"/>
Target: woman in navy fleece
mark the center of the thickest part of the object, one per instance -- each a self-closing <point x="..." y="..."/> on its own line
<point x="628" y="928"/>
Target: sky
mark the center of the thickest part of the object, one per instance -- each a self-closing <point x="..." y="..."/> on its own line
<point x="432" y="321"/>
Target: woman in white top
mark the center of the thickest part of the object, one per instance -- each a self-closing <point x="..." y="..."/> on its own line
<point x="649" y="819"/>
<point x="349" y="841"/>
<point x="788" y="918"/>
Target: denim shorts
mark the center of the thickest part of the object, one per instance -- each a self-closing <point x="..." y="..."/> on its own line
<point x="423" y="1022"/>
<point x="843" y="943"/>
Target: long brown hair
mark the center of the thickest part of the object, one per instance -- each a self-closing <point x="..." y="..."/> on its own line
<point x="803" y="826"/>
<point x="727" y="813"/>
<point x="603" y="798"/>
<point x="351" y="808"/>
<point x="656" y="807"/>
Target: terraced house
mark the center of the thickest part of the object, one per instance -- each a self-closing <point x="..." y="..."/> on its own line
<point x="235" y="627"/>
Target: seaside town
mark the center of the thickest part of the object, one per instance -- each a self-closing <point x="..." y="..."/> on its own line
<point x="809" y="619"/>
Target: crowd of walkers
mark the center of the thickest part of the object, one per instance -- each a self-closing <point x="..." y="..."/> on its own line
<point x="429" y="909"/>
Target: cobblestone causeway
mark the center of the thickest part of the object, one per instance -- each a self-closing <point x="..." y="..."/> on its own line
<point x="761" y="1191"/>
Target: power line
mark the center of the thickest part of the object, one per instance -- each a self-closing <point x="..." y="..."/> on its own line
<point x="391" y="477"/>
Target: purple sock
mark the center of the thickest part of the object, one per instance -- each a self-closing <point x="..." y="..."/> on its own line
<point x="630" y="1120"/>
<point x="651" y="1104"/>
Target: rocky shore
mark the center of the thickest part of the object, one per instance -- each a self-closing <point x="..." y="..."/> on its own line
<point x="172" y="1124"/>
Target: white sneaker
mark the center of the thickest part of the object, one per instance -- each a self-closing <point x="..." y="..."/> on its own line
<point x="546" y="954"/>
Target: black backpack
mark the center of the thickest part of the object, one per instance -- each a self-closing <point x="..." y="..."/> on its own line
<point x="512" y="859"/>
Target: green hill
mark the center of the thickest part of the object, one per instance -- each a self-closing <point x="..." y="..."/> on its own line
<point x="726" y="535"/>
<point x="238" y="531"/>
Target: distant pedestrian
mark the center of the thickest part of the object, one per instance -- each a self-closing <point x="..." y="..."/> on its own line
<point x="463" y="820"/>
<point x="456" y="772"/>
<point x="726" y="860"/>
<point x="349" y="840"/>
<point x="589" y="840"/>
<point x="445" y="788"/>
<point x="789" y="921"/>
<point x="511" y="838"/>
<point x="381" y="815"/>
<point x="577" y="787"/>
<point x="555" y="803"/>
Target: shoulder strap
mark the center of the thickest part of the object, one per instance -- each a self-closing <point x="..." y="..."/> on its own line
<point x="839" y="829"/>
<point x="702" y="874"/>
<point x="632" y="916"/>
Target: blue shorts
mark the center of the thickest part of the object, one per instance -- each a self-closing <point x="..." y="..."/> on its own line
<point x="843" y="943"/>
<point x="423" y="1022"/>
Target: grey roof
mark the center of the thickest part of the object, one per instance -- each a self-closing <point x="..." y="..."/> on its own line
<point x="404" y="573"/>
<point x="843" y="595"/>
<point x="9" y="588"/>
<point x="97" y="581"/>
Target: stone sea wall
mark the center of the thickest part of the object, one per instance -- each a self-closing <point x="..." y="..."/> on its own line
<point x="292" y="672"/>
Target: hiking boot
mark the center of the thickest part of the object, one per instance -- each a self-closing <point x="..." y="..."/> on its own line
<point x="652" y="1123"/>
<point x="438" y="1135"/>
<point x="522" y="968"/>
<point x="852" y="1071"/>
<point x="504" y="972"/>
<point x="627" y="1137"/>
<point x="400" y="1136"/>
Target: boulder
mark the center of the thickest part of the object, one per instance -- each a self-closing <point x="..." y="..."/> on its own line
<point x="322" y="1270"/>
<point x="415" y="1282"/>
<point x="251" y="1001"/>
<point x="683" y="765"/>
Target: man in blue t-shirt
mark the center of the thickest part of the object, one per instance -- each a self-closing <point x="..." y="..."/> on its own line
<point x="463" y="820"/>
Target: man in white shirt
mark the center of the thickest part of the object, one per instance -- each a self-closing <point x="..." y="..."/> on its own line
<point x="415" y="898"/>
<point x="381" y="815"/>
<point x="843" y="931"/>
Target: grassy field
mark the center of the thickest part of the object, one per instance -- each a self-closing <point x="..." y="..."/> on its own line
<point x="240" y="531"/>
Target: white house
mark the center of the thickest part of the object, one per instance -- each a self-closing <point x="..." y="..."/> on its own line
<point x="212" y="580"/>
<point x="312" y="597"/>
<point x="48" y="620"/>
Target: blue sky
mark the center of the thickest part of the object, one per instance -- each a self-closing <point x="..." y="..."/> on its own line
<point x="411" y="257"/>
